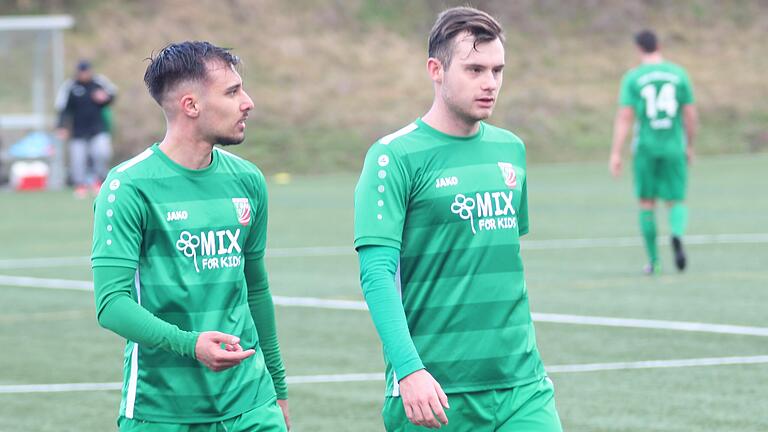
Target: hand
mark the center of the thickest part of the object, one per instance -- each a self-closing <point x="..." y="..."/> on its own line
<point x="690" y="155"/>
<point x="284" y="407"/>
<point x="208" y="351"/>
<point x="62" y="133"/>
<point x="615" y="164"/>
<point x="100" y="96"/>
<point x="423" y="400"/>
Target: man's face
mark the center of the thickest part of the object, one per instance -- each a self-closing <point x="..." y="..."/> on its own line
<point x="224" y="105"/>
<point x="84" y="75"/>
<point x="472" y="81"/>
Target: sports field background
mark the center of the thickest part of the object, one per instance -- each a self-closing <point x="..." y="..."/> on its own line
<point x="329" y="77"/>
<point x="582" y="259"/>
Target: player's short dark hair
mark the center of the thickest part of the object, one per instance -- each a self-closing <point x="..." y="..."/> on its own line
<point x="646" y="41"/>
<point x="183" y="61"/>
<point x="458" y="20"/>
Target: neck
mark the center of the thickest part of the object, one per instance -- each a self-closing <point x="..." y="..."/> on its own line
<point x="651" y="58"/>
<point x="446" y="121"/>
<point x="187" y="150"/>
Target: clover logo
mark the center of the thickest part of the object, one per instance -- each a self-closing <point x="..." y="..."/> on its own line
<point x="463" y="206"/>
<point x="187" y="244"/>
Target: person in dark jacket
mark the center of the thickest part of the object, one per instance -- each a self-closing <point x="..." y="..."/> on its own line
<point x="82" y="103"/>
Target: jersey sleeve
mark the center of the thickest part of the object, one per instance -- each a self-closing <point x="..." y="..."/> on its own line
<point x="118" y="223"/>
<point x="627" y="96"/>
<point x="381" y="198"/>
<point x="256" y="242"/>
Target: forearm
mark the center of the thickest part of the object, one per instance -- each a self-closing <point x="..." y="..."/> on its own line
<point x="691" y="123"/>
<point x="378" y="265"/>
<point x="117" y="311"/>
<point x="263" y="313"/>
<point x="621" y="126"/>
<point x="63" y="119"/>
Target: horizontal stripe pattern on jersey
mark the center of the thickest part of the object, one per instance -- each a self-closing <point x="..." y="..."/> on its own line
<point x="187" y="233"/>
<point x="456" y="208"/>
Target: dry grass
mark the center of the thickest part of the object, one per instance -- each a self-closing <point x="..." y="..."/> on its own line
<point x="329" y="77"/>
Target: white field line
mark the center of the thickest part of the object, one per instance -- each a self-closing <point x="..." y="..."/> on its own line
<point x="698" y="240"/>
<point x="650" y="324"/>
<point x="656" y="364"/>
<point x="305" y="252"/>
<point x="33" y="282"/>
<point x="311" y="302"/>
<point x="367" y="377"/>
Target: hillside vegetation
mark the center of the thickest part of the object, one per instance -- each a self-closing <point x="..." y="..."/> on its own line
<point x="330" y="77"/>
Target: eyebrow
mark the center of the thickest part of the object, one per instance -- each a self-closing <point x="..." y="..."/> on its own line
<point x="477" y="65"/>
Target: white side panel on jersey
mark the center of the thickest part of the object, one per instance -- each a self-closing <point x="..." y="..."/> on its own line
<point x="136" y="159"/>
<point x="395" y="385"/>
<point x="399" y="287"/>
<point x="404" y="131"/>
<point x="130" y="398"/>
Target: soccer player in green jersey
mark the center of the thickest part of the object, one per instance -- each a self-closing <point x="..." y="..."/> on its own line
<point x="657" y="97"/>
<point x="439" y="210"/>
<point x="178" y="261"/>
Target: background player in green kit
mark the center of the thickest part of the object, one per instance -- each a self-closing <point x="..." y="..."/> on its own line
<point x="178" y="261"/>
<point x="439" y="210"/>
<point x="658" y="97"/>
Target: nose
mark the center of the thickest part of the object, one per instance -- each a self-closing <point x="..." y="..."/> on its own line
<point x="247" y="103"/>
<point x="491" y="81"/>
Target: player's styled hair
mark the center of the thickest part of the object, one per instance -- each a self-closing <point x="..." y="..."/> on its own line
<point x="458" y="20"/>
<point x="183" y="61"/>
<point x="647" y="42"/>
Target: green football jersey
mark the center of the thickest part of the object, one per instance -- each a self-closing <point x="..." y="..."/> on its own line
<point x="657" y="93"/>
<point x="187" y="234"/>
<point x="455" y="207"/>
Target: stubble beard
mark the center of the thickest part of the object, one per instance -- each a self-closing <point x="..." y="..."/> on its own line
<point x="464" y="114"/>
<point x="229" y="141"/>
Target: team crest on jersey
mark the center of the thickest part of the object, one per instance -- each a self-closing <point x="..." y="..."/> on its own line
<point x="243" y="208"/>
<point x="510" y="178"/>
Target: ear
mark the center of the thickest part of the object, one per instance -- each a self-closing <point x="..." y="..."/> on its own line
<point x="435" y="70"/>
<point x="189" y="105"/>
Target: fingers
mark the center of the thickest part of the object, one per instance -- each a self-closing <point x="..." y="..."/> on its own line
<point x="427" y="412"/>
<point x="409" y="413"/>
<point x="283" y="404"/>
<point x="442" y="396"/>
<point x="237" y="356"/>
<point x="219" y="351"/>
<point x="437" y="404"/>
<point x="223" y="338"/>
<point x="427" y="415"/>
<point x="222" y="360"/>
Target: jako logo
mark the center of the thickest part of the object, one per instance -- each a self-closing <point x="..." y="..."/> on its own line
<point x="446" y="181"/>
<point x="208" y="244"/>
<point x="494" y="210"/>
<point x="177" y="215"/>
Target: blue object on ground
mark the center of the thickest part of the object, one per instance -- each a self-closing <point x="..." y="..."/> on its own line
<point x="33" y="145"/>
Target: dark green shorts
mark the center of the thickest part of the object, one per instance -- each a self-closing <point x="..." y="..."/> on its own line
<point x="266" y="418"/>
<point x="529" y="408"/>
<point x="660" y="177"/>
